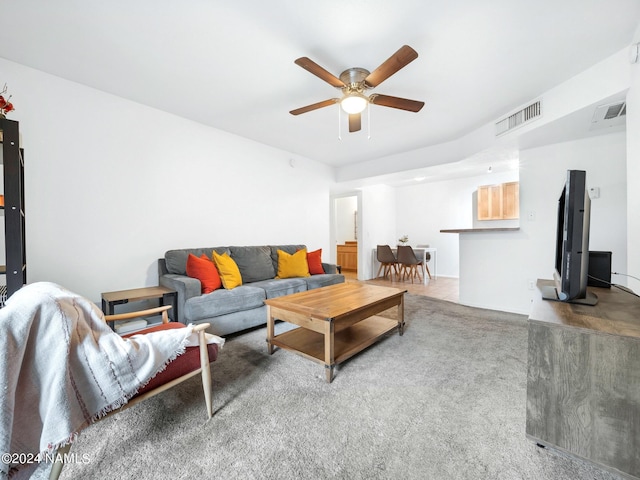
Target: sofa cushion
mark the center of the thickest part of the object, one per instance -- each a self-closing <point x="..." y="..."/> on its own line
<point x="176" y="260"/>
<point x="318" y="281"/>
<point x="221" y="302"/>
<point x="228" y="269"/>
<point x="237" y="321"/>
<point x="286" y="286"/>
<point x="204" y="270"/>
<point x="254" y="263"/>
<point x="291" y="266"/>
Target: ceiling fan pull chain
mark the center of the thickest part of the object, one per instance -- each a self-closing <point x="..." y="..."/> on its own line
<point x="369" y="123"/>
<point x="339" y="123"/>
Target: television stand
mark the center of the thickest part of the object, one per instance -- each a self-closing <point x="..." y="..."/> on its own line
<point x="549" y="292"/>
<point x="582" y="378"/>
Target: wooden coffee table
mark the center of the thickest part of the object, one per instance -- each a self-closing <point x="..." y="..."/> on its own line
<point x="336" y="322"/>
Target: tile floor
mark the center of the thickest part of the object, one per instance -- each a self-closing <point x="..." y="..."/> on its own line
<point x="444" y="288"/>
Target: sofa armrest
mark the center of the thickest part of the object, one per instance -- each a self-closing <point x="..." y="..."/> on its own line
<point x="186" y="287"/>
<point x="329" y="268"/>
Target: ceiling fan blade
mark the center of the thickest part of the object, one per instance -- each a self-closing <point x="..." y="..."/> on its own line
<point x="355" y="122"/>
<point x="396" y="102"/>
<point x="391" y="65"/>
<point x="315" y="106"/>
<point x="312" y="67"/>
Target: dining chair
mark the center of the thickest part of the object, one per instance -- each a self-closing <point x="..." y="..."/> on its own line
<point x="427" y="257"/>
<point x="387" y="260"/>
<point x="409" y="263"/>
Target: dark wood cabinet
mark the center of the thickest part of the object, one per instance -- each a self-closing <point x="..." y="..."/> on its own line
<point x="14" y="217"/>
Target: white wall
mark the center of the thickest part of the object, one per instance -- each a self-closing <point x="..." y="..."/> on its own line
<point x="110" y="185"/>
<point x="633" y="174"/>
<point x="426" y="208"/>
<point x="378" y="217"/>
<point x="499" y="277"/>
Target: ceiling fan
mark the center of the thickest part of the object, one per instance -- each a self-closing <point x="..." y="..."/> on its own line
<point x="354" y="82"/>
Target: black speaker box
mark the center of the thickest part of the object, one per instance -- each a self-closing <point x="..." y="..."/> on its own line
<point x="599" y="269"/>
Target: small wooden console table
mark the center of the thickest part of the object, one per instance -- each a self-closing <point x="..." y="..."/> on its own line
<point x="163" y="294"/>
<point x="336" y="322"/>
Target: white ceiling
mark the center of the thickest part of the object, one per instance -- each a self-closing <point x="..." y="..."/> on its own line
<point x="230" y="64"/>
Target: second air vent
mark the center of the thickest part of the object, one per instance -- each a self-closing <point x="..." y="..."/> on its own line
<point x="519" y="118"/>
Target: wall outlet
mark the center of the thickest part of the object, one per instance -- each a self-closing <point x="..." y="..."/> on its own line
<point x="532" y="284"/>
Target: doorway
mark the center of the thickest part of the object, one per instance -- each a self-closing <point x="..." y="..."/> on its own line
<point x="345" y="225"/>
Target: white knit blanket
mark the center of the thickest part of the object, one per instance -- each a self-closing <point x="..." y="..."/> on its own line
<point x="62" y="367"/>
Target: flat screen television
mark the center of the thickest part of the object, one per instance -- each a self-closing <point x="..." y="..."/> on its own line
<point x="571" y="272"/>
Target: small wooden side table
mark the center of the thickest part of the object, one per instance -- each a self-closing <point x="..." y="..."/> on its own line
<point x="164" y="295"/>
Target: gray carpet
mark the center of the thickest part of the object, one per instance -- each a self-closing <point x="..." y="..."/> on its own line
<point x="444" y="401"/>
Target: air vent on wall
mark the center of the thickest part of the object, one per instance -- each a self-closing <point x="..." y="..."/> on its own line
<point x="615" y="111"/>
<point x="519" y="118"/>
<point x="609" y="115"/>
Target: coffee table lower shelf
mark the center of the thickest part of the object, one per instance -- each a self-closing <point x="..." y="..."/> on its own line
<point x="347" y="342"/>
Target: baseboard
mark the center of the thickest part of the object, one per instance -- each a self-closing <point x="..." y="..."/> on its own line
<point x="495" y="309"/>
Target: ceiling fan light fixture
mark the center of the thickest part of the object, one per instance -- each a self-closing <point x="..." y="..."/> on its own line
<point x="355" y="81"/>
<point x="354" y="103"/>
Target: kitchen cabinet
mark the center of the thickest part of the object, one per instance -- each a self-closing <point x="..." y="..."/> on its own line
<point x="499" y="202"/>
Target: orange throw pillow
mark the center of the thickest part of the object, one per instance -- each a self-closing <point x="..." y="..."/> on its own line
<point x="204" y="270"/>
<point x="314" y="259"/>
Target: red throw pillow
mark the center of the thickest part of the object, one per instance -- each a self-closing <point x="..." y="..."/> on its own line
<point x="204" y="270"/>
<point x="314" y="259"/>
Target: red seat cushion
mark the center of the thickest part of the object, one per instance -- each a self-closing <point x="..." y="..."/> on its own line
<point x="185" y="363"/>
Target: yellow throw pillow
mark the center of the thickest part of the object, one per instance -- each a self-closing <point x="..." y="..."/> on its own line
<point x="228" y="269"/>
<point x="295" y="265"/>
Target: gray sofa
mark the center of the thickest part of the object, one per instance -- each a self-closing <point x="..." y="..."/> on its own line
<point x="230" y="311"/>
